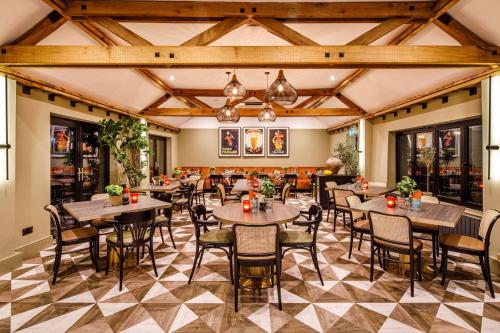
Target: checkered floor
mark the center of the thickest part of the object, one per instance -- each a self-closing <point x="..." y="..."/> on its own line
<point x="86" y="301"/>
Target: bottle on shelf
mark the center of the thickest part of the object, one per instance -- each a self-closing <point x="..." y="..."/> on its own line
<point x="126" y="196"/>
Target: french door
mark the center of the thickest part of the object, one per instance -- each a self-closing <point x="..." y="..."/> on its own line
<point x="157" y="155"/>
<point x="445" y="160"/>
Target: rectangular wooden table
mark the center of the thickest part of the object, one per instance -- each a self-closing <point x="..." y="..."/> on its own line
<point x="242" y="186"/>
<point x="372" y="191"/>
<point x="437" y="214"/>
<point x="92" y="210"/>
<point x="157" y="188"/>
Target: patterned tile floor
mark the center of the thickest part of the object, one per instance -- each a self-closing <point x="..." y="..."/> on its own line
<point x="86" y="301"/>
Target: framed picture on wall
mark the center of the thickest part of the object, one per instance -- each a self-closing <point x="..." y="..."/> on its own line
<point x="253" y="141"/>
<point x="229" y="142"/>
<point x="278" y="144"/>
<point x="60" y="140"/>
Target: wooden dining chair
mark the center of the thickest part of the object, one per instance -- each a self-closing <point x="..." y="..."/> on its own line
<point x="429" y="229"/>
<point x="285" y="193"/>
<point x="340" y="205"/>
<point x="70" y="237"/>
<point x="473" y="246"/>
<point x="200" y="191"/>
<point x="221" y="239"/>
<point x="358" y="222"/>
<point x="292" y="180"/>
<point x="224" y="198"/>
<point x="331" y="198"/>
<point x="139" y="233"/>
<point x="256" y="246"/>
<point x="393" y="233"/>
<point x="164" y="217"/>
<point x="304" y="240"/>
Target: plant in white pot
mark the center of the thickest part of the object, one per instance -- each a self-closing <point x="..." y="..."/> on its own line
<point x="115" y="194"/>
<point x="268" y="190"/>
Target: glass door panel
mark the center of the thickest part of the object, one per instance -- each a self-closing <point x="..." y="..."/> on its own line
<point x="450" y="168"/>
<point x="161" y="168"/>
<point x="424" y="161"/>
<point x="63" y="175"/>
<point x="474" y="165"/>
<point x="90" y="168"/>
<point x="404" y="158"/>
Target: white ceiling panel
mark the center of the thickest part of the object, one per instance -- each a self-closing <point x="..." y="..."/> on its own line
<point x="167" y="33"/>
<point x="18" y="16"/>
<point x="68" y="34"/>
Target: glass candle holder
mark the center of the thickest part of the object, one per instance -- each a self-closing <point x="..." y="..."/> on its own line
<point x="134" y="197"/>
<point x="365" y="185"/>
<point x="246" y="206"/>
<point x="391" y="201"/>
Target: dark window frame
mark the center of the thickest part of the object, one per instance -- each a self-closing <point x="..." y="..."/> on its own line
<point x="153" y="156"/>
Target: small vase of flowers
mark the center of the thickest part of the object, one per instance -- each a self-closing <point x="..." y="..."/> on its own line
<point x="115" y="194"/>
<point x="406" y="188"/>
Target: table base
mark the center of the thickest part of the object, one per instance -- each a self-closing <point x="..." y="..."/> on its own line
<point x="256" y="283"/>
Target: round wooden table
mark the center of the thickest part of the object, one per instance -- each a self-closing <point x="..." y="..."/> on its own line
<point x="233" y="214"/>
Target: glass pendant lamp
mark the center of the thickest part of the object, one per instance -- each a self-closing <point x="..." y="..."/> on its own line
<point x="234" y="89"/>
<point x="267" y="115"/>
<point x="281" y="91"/>
<point x="228" y="114"/>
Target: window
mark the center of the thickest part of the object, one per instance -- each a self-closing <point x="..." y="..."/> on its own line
<point x="157" y="155"/>
<point x="445" y="160"/>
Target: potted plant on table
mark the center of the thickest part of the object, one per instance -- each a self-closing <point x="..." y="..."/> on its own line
<point x="267" y="189"/>
<point x="406" y="188"/>
<point x="115" y="194"/>
<point x="177" y="173"/>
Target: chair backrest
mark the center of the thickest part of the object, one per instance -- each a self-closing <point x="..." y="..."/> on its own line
<point x="55" y="219"/>
<point x="430" y="199"/>
<point x="234" y="178"/>
<point x="214" y="180"/>
<point x="378" y="184"/>
<point x="165" y="196"/>
<point x="330" y="185"/>
<point x="99" y="196"/>
<point x="198" y="214"/>
<point x="222" y="193"/>
<point x="200" y="185"/>
<point x="395" y="229"/>
<point x="291" y="179"/>
<point x="140" y="224"/>
<point x="254" y="242"/>
<point x="340" y="197"/>
<point x="285" y="192"/>
<point x="353" y="201"/>
<point x="490" y="217"/>
<point x="315" y="217"/>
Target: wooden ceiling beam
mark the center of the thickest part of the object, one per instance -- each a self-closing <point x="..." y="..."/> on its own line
<point x="57" y="5"/>
<point x="293" y="11"/>
<point x="41" y="29"/>
<point x="121" y="31"/>
<point x="352" y="56"/>
<point x="159" y="101"/>
<point x="250" y="92"/>
<point x="283" y="31"/>
<point x="307" y="102"/>
<point x="459" y="32"/>
<point x="379" y="31"/>
<point x="252" y="112"/>
<point x="217" y="31"/>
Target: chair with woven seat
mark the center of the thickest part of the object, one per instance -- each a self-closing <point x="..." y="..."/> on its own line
<point x="72" y="237"/>
<point x="285" y="192"/>
<point x="225" y="198"/>
<point x="358" y="222"/>
<point x="393" y="233"/>
<point x="256" y="246"/>
<point x="199" y="192"/>
<point x="331" y="198"/>
<point x="183" y="200"/>
<point x="472" y="246"/>
<point x="209" y="239"/>
<point x="429" y="229"/>
<point x="340" y="205"/>
<point x="304" y="240"/>
<point x="292" y="179"/>
<point x="140" y="227"/>
<point x="164" y="218"/>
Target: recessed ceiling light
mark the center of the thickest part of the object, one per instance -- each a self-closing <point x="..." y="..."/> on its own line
<point x="332" y="78"/>
<point x="171" y="78"/>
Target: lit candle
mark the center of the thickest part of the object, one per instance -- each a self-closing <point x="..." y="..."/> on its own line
<point x="256" y="184"/>
<point x="134" y="197"/>
<point x="246" y="206"/>
<point x="167" y="181"/>
<point x="391" y="201"/>
<point x="365" y="185"/>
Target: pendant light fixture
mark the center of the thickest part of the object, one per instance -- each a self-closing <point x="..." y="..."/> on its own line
<point x="234" y="89"/>
<point x="228" y="114"/>
<point x="267" y="115"/>
<point x="281" y="91"/>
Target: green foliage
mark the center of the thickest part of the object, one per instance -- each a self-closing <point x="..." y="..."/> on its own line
<point x="349" y="155"/>
<point x="114" y="190"/>
<point x="126" y="139"/>
<point x="267" y="188"/>
<point x="177" y="171"/>
<point x="254" y="173"/>
<point x="406" y="186"/>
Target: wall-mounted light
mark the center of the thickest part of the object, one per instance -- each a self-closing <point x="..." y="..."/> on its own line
<point x="493" y="128"/>
<point x="4" y="127"/>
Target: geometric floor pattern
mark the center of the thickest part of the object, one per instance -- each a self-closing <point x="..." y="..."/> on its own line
<point x="85" y="301"/>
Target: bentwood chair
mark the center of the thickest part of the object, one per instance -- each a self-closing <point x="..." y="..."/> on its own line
<point x="304" y="240"/>
<point x="429" y="229"/>
<point x="393" y="233"/>
<point x="292" y="180"/>
<point x="209" y="239"/>
<point x="331" y="198"/>
<point x="183" y="200"/>
<point x="256" y="246"/>
<point x="285" y="192"/>
<point x="224" y="198"/>
<point x="340" y="205"/>
<point x="472" y="246"/>
<point x="200" y="191"/>
<point x="358" y="222"/>
<point x="69" y="237"/>
<point x="164" y="218"/>
<point x="139" y="234"/>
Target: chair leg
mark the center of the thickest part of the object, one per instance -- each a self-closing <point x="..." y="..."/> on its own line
<point x="278" y="283"/>
<point x="137" y="252"/>
<point x="314" y="255"/>
<point x="201" y="256"/>
<point x="419" y="266"/>
<point x="197" y="253"/>
<point x="328" y="213"/>
<point x="483" y="268"/>
<point x="161" y="233"/>
<point x="334" y="219"/>
<point x="434" y="249"/>
<point x="379" y="258"/>
<point x="444" y="264"/>
<point x="230" y="257"/>
<point x="343" y="218"/>
<point x="96" y="255"/>
<point x="108" y="257"/>
<point x="372" y="262"/>
<point x="121" y="261"/>
<point x="351" y="242"/>
<point x="488" y="274"/>
<point x="57" y="264"/>
<point x="169" y="226"/>
<point x="236" y="283"/>
<point x="412" y="275"/>
<point x="360" y="240"/>
<point x="152" y="256"/>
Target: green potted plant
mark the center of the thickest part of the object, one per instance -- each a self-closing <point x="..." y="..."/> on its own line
<point x="127" y="140"/>
<point x="115" y="194"/>
<point x="268" y="190"/>
<point x="406" y="188"/>
<point x="348" y="154"/>
<point x="177" y="173"/>
<point x="254" y="173"/>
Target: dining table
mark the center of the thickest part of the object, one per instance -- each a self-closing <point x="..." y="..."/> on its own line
<point x="157" y="188"/>
<point x="241" y="185"/>
<point x="371" y="191"/>
<point x="234" y="214"/>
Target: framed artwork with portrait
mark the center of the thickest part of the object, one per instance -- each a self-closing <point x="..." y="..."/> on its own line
<point x="229" y="142"/>
<point x="253" y="142"/>
<point x="278" y="144"/>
